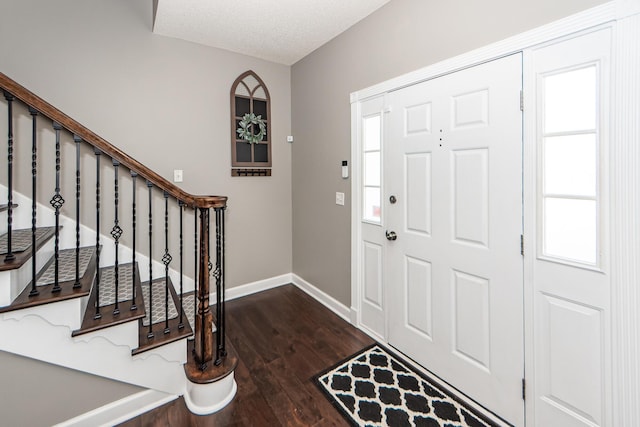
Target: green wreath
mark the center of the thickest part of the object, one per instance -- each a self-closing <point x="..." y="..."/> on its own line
<point x="247" y="128"/>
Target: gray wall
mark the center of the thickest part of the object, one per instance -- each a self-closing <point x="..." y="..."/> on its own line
<point x="161" y="100"/>
<point x="34" y="393"/>
<point x="402" y="36"/>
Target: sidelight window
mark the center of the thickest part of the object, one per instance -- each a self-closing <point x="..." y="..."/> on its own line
<point x="570" y="160"/>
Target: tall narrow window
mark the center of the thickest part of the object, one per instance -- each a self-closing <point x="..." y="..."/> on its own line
<point x="250" y="126"/>
<point x="570" y="191"/>
<point x="372" y="138"/>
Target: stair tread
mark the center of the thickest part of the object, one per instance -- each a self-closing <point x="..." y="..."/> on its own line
<point x="108" y="318"/>
<point x="43" y="234"/>
<point x="46" y="295"/>
<point x="5" y="207"/>
<point x="159" y="337"/>
<point x="66" y="265"/>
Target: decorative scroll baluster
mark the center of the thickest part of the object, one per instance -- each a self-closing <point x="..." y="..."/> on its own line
<point x="150" y="332"/>
<point x="134" y="176"/>
<point x="204" y="333"/>
<point x="10" y="255"/>
<point x="195" y="268"/>
<point x="98" y="153"/>
<point x="220" y="288"/>
<point x="56" y="202"/>
<point x="166" y="259"/>
<point x="116" y="233"/>
<point x="34" y="158"/>
<point x="181" y="324"/>
<point x="77" y="140"/>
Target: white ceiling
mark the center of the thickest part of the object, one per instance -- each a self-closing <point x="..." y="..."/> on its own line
<point x="282" y="31"/>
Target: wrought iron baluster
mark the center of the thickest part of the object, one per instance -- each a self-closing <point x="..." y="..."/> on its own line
<point x="116" y="233"/>
<point x="216" y="275"/>
<point x="77" y="140"/>
<point x="56" y="202"/>
<point x="10" y="255"/>
<point x="134" y="176"/>
<point x="98" y="153"/>
<point x="220" y="283"/>
<point x="150" y="332"/>
<point x="34" y="158"/>
<point x="166" y="259"/>
<point x="195" y="269"/>
<point x="181" y="324"/>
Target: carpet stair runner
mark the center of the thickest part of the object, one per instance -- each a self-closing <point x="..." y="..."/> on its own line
<point x="21" y="246"/>
<point x="163" y="332"/>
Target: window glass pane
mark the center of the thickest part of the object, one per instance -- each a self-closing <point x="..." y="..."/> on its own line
<point x="260" y="153"/>
<point x="371" y="127"/>
<point x="242" y="106"/>
<point x="570" y="101"/>
<point x="372" y="169"/>
<point x="570" y="229"/>
<point x="260" y="108"/>
<point x="372" y="204"/>
<point x="243" y="152"/>
<point x="570" y="165"/>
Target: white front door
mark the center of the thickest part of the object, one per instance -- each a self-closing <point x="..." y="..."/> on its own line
<point x="454" y="275"/>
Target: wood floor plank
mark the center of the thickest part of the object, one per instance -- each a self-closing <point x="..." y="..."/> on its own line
<point x="283" y="337"/>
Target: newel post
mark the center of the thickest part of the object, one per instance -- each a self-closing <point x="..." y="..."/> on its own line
<point x="204" y="317"/>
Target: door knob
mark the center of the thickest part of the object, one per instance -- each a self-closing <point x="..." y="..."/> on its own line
<point x="391" y="235"/>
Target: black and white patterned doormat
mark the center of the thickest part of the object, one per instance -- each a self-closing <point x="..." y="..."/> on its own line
<point x="375" y="388"/>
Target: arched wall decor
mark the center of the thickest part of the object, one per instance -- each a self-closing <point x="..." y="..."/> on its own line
<point x="250" y="96"/>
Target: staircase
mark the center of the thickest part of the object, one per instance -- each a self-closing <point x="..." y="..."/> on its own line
<point x="105" y="266"/>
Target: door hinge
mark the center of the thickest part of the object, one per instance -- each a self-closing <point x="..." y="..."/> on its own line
<point x="522" y="244"/>
<point x="521" y="101"/>
<point x="524" y="389"/>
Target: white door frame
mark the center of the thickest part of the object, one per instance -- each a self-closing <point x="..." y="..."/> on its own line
<point x="623" y="16"/>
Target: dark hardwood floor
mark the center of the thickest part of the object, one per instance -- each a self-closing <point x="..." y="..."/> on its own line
<point x="283" y="337"/>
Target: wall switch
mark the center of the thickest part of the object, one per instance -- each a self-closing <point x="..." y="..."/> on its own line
<point x="177" y="175"/>
<point x="290" y="138"/>
<point x="340" y="199"/>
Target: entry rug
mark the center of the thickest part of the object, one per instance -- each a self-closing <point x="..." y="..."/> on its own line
<point x="374" y="388"/>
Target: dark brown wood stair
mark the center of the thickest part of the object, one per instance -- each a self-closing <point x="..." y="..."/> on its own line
<point x="108" y="318"/>
<point x="24" y="255"/>
<point x="46" y="296"/>
<point x="159" y="336"/>
<point x="5" y="207"/>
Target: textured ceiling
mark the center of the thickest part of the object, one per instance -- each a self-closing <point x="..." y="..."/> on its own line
<point x="282" y="31"/>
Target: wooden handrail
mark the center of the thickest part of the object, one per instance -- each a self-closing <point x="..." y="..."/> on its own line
<point x="101" y="144"/>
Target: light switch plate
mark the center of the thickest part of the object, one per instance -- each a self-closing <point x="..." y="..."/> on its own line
<point x="177" y="175"/>
<point x="340" y="199"/>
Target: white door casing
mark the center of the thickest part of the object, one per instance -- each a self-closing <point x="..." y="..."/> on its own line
<point x="454" y="276"/>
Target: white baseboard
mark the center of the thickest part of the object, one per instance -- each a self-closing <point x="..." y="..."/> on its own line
<point x="325" y="299"/>
<point x="121" y="410"/>
<point x="273" y="282"/>
<point x="253" y="287"/>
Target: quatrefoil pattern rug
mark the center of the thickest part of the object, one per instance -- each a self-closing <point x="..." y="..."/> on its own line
<point x="374" y="388"/>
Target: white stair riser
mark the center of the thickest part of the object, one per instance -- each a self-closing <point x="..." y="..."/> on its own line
<point x="99" y="356"/>
<point x="13" y="282"/>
